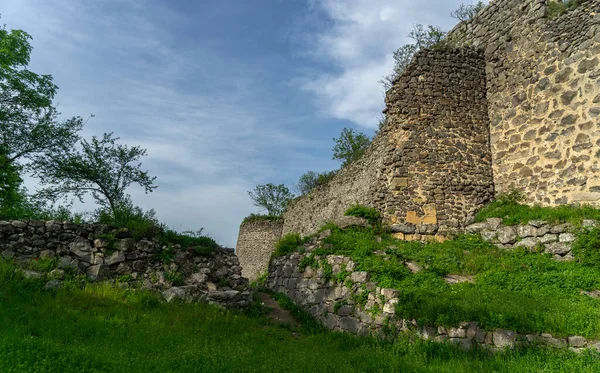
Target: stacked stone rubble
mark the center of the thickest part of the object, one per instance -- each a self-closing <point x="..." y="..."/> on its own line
<point x="104" y="253"/>
<point x="340" y="304"/>
<point x="536" y="235"/>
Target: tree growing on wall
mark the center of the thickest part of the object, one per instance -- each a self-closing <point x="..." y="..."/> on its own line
<point x="272" y="198"/>
<point x="423" y="37"/>
<point x="29" y="125"/>
<point x="350" y="146"/>
<point x="466" y="12"/>
<point x="100" y="167"/>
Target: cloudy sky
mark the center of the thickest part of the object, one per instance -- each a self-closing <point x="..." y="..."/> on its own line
<point x="224" y="94"/>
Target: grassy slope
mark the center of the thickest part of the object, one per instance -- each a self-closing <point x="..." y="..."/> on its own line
<point x="519" y="290"/>
<point x="102" y="329"/>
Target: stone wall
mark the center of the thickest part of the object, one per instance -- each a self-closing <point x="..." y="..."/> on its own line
<point x="341" y="304"/>
<point x="437" y="166"/>
<point x="359" y="182"/>
<point x="536" y="235"/>
<point x="103" y="253"/>
<point x="430" y="165"/>
<point x="255" y="244"/>
<point x="543" y="91"/>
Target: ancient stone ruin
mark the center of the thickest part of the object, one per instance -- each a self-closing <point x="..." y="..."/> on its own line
<point x="511" y="102"/>
<point x="103" y="253"/>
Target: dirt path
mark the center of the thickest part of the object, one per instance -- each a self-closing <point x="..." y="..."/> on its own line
<point x="277" y="313"/>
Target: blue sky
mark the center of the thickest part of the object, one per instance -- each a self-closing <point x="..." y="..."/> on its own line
<point x="224" y="94"/>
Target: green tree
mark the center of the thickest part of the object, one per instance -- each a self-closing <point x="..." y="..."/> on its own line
<point x="423" y="37"/>
<point x="29" y="125"/>
<point x="350" y="146"/>
<point x="12" y="197"/>
<point x="466" y="12"/>
<point x="307" y="182"/>
<point x="100" y="167"/>
<point x="272" y="198"/>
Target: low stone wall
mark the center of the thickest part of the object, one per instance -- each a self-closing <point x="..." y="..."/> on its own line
<point x="102" y="252"/>
<point x="352" y="303"/>
<point x="255" y="244"/>
<point x="538" y="235"/>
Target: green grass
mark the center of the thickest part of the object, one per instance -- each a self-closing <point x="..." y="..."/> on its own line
<point x="258" y="217"/>
<point x="287" y="244"/>
<point x="104" y="329"/>
<point x="513" y="213"/>
<point x="519" y="290"/>
<point x="371" y="214"/>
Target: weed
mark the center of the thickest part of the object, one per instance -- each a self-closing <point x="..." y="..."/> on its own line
<point x="308" y="261"/>
<point x="327" y="270"/>
<point x="165" y="255"/>
<point x="43" y="265"/>
<point x="337" y="305"/>
<point x="175" y="278"/>
<point x="287" y="244"/>
<point x="258" y="217"/>
<point x="509" y="208"/>
<point x="587" y="247"/>
<point x="371" y="214"/>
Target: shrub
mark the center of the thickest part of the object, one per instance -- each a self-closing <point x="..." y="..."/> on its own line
<point x="371" y="214"/>
<point x="201" y="244"/>
<point x="308" y="261"/>
<point x="175" y="278"/>
<point x="587" y="247"/>
<point x="260" y="217"/>
<point x="311" y="180"/>
<point x="260" y="281"/>
<point x="557" y="8"/>
<point x="287" y="244"/>
<point x="141" y="224"/>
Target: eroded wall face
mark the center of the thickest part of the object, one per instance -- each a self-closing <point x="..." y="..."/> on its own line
<point x="256" y="242"/>
<point x="437" y="164"/>
<point x="543" y="90"/>
<point x="430" y="165"/>
<point x="360" y="182"/>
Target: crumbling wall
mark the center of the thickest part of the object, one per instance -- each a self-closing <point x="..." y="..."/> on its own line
<point x="437" y="165"/>
<point x="429" y="165"/>
<point x="256" y="242"/>
<point x="105" y="253"/>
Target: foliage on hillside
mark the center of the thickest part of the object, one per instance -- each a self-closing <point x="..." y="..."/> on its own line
<point x="510" y="208"/>
<point x="508" y="286"/>
<point x="74" y="329"/>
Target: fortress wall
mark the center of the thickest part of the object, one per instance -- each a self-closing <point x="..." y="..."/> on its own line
<point x="430" y="165"/>
<point x="543" y="91"/>
<point x="256" y="242"/>
<point x="360" y="182"/>
<point x="438" y="161"/>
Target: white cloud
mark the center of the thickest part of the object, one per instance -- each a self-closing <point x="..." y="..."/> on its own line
<point x="359" y="44"/>
<point x="208" y="136"/>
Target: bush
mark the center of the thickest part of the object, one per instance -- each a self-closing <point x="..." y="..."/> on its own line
<point x="203" y="245"/>
<point x="557" y="8"/>
<point x="141" y="224"/>
<point x="287" y="244"/>
<point x="587" y="247"/>
<point x="259" y="217"/>
<point x="371" y="214"/>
